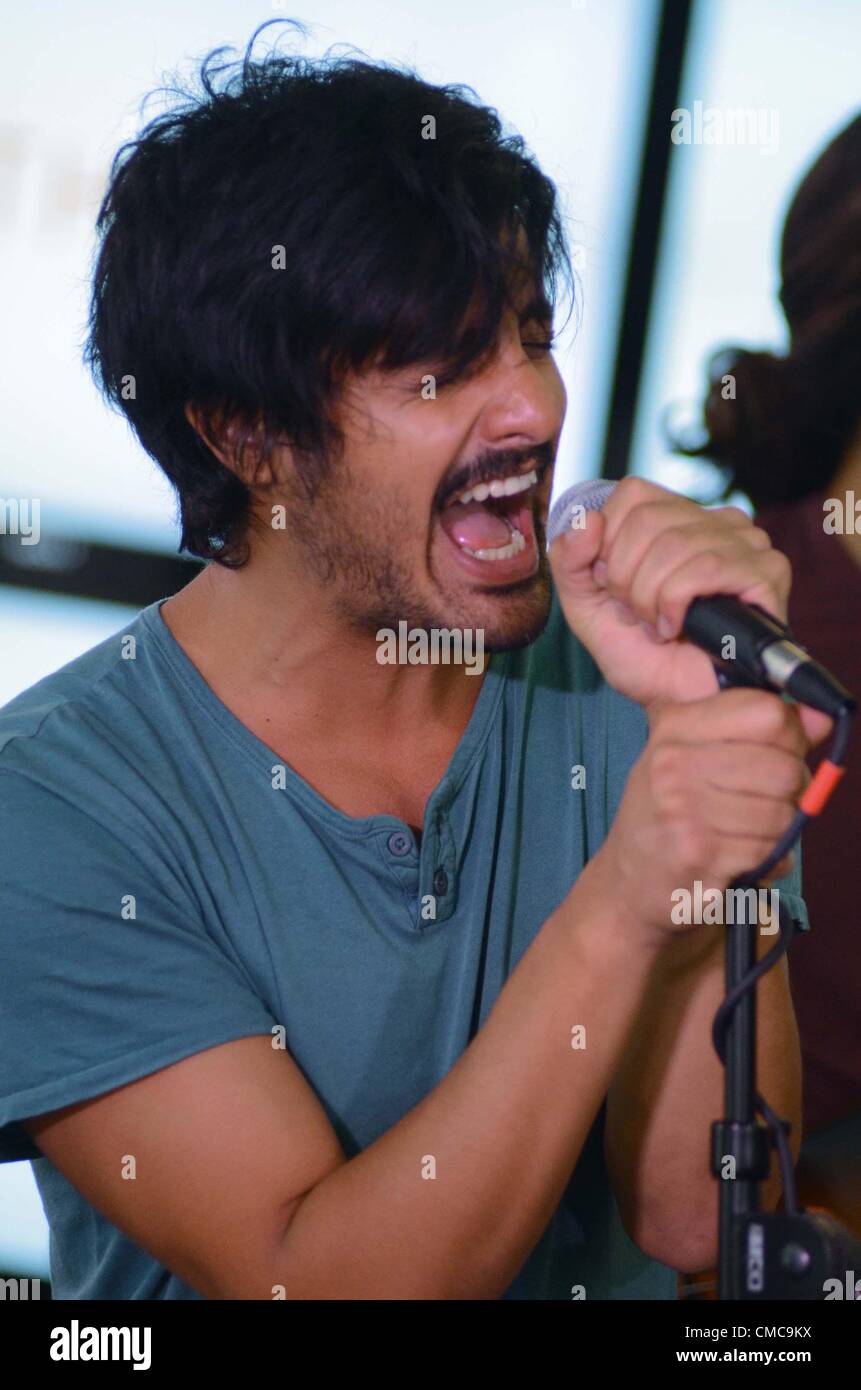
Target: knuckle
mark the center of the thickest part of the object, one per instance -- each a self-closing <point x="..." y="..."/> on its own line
<point x="711" y="560"/>
<point x="773" y="715"/>
<point x="667" y="766"/>
<point x="674" y="541"/>
<point x="792" y="778"/>
<point x="693" y="844"/>
<point x="684" y="537"/>
<point x="638" y="489"/>
<point x="760" y="536"/>
<point x="779" y="563"/>
<point x="733" y="513"/>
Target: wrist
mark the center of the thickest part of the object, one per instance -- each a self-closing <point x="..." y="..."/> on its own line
<point x="604" y="917"/>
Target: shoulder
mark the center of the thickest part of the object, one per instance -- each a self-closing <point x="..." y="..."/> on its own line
<point x="82" y="752"/>
<point x="89" y="703"/>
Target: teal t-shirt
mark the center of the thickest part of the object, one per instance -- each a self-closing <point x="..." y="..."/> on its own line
<point x="168" y="884"/>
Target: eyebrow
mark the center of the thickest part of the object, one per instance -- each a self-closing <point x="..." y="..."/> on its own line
<point x="538" y="307"/>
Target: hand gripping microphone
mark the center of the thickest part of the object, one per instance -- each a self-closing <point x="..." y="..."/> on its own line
<point x="765" y="653"/>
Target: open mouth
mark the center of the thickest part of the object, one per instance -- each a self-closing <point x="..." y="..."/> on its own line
<point x="491" y="525"/>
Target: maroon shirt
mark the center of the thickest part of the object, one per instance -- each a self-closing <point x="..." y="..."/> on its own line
<point x="825" y="964"/>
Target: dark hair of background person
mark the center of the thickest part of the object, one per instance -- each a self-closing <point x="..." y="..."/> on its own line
<point x="398" y="249"/>
<point x="794" y="417"/>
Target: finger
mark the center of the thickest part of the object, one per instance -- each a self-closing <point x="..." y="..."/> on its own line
<point x="634" y="492"/>
<point x="663" y="528"/>
<point x="761" y="819"/>
<point x="736" y="516"/>
<point x="573" y="553"/>
<point x="739" y="715"/>
<point x="673" y="549"/>
<point x="751" y="769"/>
<point x="639" y="532"/>
<point x="627" y="545"/>
<point x="762" y="577"/>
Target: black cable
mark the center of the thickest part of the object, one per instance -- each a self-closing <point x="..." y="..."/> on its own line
<point x="841" y="736"/>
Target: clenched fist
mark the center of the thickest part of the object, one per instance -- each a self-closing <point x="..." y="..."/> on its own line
<point x="626" y="579"/>
<point x="711" y="794"/>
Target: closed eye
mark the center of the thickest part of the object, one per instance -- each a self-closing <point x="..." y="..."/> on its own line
<point x="536" y="330"/>
<point x="540" y="344"/>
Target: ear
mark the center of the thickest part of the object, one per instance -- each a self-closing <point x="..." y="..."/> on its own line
<point x="233" y="443"/>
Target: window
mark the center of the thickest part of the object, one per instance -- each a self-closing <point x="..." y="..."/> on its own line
<point x="795" y="66"/>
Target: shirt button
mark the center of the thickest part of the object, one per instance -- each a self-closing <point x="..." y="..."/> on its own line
<point x="399" y="843"/>
<point x="440" y="883"/>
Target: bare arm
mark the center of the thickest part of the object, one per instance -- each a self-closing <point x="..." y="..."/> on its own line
<point x="241" y="1185"/>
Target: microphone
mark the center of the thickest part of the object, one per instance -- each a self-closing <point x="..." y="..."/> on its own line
<point x="763" y="652"/>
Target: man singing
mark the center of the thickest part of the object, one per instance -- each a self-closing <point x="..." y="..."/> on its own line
<point x="333" y="977"/>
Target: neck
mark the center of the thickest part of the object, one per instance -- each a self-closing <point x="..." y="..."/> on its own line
<point x="274" y="647"/>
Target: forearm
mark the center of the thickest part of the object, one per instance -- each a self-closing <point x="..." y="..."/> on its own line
<point x="503" y="1130"/>
<point x="669" y="1088"/>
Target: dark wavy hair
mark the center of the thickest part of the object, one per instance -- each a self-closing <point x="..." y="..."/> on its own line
<point x="397" y="249"/>
<point x="794" y="417"/>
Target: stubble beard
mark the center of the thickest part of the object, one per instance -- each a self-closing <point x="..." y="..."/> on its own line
<point x="359" y="555"/>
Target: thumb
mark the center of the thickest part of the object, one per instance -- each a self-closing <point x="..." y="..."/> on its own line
<point x="572" y="555"/>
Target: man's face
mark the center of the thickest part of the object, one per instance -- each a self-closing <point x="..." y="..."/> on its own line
<point x="391" y="535"/>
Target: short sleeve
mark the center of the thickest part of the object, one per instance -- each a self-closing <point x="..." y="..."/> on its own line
<point x="790" y="890"/>
<point x="107" y="971"/>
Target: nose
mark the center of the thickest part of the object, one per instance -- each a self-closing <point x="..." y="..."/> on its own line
<point x="525" y="396"/>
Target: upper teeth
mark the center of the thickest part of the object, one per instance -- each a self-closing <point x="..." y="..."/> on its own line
<point x="500" y="487"/>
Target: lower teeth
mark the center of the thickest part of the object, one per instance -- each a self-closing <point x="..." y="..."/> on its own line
<point x="501" y="552"/>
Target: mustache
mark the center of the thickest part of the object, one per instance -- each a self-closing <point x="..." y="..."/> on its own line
<point x="493" y="465"/>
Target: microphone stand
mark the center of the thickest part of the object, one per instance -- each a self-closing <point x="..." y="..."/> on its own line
<point x="793" y="1254"/>
<point x="739" y="1137"/>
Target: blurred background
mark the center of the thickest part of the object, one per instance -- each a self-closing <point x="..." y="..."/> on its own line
<point x="675" y="247"/>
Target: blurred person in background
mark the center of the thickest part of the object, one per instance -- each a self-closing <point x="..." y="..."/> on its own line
<point x="787" y="432"/>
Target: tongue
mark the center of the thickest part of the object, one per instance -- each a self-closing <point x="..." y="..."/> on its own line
<point x="474" y="525"/>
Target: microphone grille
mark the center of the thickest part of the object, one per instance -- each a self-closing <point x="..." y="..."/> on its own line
<point x="590" y="495"/>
